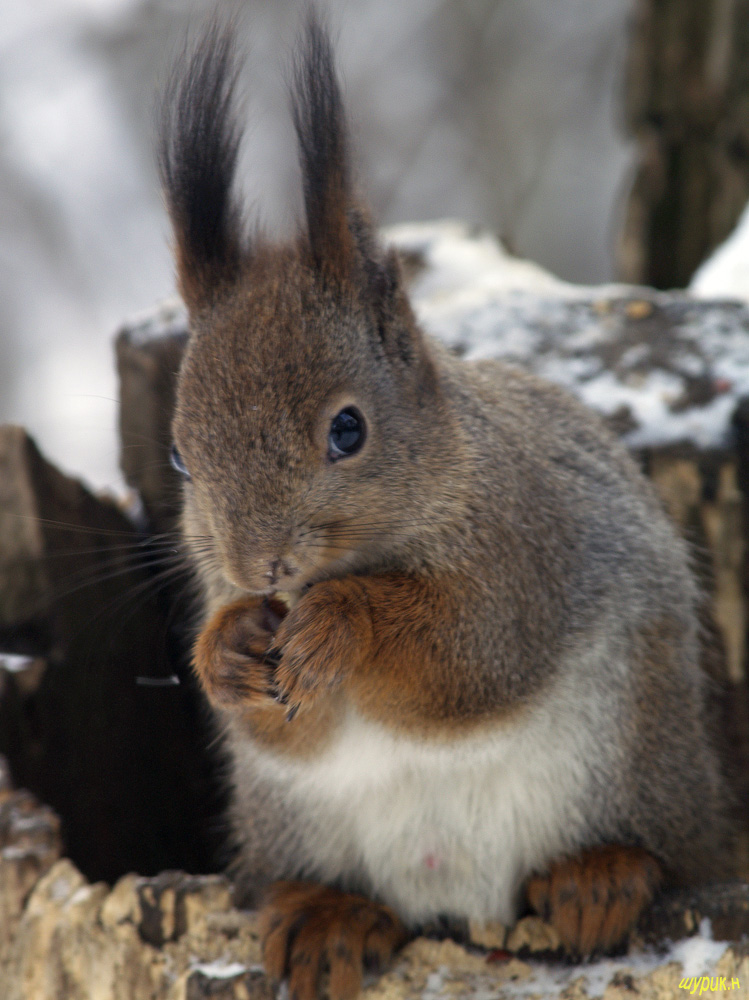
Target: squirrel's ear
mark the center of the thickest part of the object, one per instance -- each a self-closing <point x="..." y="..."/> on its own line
<point x="320" y="124"/>
<point x="340" y="235"/>
<point x="198" y="147"/>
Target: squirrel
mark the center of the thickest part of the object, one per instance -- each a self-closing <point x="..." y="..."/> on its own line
<point x="449" y="633"/>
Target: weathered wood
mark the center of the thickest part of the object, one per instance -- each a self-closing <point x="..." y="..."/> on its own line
<point x="24" y="587"/>
<point x="147" y="367"/>
<point x="680" y="914"/>
<point x="29" y="845"/>
<point x="179" y="938"/>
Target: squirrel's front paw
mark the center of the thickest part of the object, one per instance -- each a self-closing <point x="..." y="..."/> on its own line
<point x="231" y="654"/>
<point x="326" y="634"/>
<point x="595" y="899"/>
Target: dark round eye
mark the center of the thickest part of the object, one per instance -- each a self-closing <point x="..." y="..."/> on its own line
<point x="178" y="462"/>
<point x="347" y="433"/>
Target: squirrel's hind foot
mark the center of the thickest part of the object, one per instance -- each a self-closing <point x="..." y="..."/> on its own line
<point x="595" y="899"/>
<point x="305" y="927"/>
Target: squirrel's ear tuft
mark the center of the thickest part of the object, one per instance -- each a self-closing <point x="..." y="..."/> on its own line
<point x="320" y="123"/>
<point x="340" y="237"/>
<point x="198" y="147"/>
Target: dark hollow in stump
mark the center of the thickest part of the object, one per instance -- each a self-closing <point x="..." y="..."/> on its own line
<point x="92" y="721"/>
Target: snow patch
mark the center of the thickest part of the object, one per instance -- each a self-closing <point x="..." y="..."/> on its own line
<point x="699" y="955"/>
<point x="219" y="969"/>
<point x="725" y="274"/>
<point x="678" y="367"/>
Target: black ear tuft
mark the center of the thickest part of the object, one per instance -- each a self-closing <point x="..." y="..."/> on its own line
<point x="198" y="148"/>
<point x="320" y="124"/>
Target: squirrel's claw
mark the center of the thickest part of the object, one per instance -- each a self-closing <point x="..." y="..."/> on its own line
<point x="291" y="713"/>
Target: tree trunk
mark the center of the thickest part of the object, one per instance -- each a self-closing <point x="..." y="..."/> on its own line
<point x="687" y="107"/>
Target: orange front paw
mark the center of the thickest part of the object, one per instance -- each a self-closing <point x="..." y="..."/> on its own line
<point x="326" y="634"/>
<point x="305" y="927"/>
<point x="595" y="900"/>
<point x="231" y="654"/>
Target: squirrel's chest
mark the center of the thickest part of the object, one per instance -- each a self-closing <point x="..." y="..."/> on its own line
<point x="451" y="828"/>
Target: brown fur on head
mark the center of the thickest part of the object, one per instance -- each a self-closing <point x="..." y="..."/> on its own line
<point x="284" y="339"/>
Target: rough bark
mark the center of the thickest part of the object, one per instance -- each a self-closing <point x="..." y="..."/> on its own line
<point x="179" y="938"/>
<point x="29" y="845"/>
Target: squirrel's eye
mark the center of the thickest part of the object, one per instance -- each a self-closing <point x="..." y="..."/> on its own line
<point x="178" y="462"/>
<point x="347" y="433"/>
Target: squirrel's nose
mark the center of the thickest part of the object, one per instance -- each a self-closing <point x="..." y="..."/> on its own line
<point x="271" y="573"/>
<point x="279" y="567"/>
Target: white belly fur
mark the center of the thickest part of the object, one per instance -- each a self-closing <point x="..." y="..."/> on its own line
<point x="451" y="828"/>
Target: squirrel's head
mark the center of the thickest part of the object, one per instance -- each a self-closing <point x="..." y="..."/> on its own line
<point x="310" y="425"/>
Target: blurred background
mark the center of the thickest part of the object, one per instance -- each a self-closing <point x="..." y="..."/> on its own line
<point x="559" y="126"/>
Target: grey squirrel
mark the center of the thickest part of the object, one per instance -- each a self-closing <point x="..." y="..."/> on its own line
<point x="449" y="633"/>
